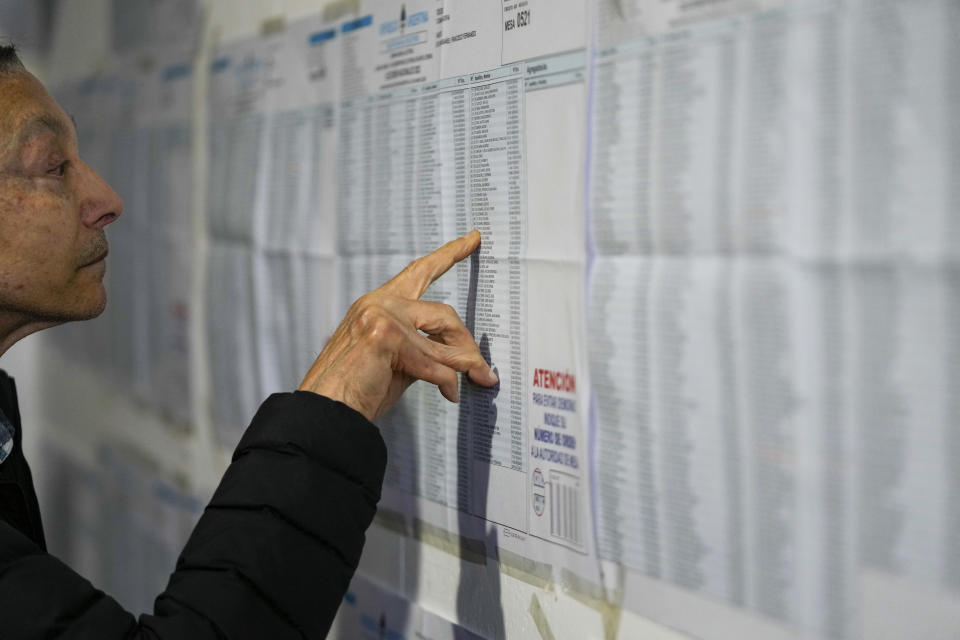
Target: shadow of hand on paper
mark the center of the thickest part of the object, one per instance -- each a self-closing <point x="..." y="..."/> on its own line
<point x="478" y="593"/>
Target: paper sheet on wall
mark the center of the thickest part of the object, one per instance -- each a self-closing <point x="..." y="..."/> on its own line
<point x="272" y="126"/>
<point x="773" y="276"/>
<point x="442" y="129"/>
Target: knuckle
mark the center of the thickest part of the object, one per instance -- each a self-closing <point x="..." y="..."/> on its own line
<point x="360" y="305"/>
<point x="449" y="311"/>
<point x="414" y="267"/>
<point x="380" y="328"/>
<point x="373" y="320"/>
<point x="463" y="361"/>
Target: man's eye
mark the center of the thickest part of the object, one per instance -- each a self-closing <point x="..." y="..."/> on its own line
<point x="59" y="170"/>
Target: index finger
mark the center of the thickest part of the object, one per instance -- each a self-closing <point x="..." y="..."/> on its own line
<point x="414" y="280"/>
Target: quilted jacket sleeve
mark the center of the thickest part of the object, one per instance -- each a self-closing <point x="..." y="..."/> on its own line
<point x="271" y="557"/>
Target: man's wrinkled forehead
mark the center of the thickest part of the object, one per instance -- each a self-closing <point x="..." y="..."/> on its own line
<point x="28" y="112"/>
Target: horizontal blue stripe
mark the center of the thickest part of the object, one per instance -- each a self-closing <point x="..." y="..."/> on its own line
<point x="322" y="36"/>
<point x="359" y="23"/>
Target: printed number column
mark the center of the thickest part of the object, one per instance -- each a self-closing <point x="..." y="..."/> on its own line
<point x="496" y="160"/>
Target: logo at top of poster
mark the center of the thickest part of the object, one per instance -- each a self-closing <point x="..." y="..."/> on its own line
<point x="403" y="21"/>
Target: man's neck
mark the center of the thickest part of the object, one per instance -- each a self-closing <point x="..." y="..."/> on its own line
<point x="15" y="327"/>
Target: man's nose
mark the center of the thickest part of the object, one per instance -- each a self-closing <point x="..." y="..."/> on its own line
<point x="100" y="204"/>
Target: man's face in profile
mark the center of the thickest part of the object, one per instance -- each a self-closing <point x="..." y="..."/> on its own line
<point x="53" y="209"/>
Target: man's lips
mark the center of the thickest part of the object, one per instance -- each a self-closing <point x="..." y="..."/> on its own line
<point x="99" y="258"/>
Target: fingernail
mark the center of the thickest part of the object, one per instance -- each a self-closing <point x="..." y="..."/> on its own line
<point x="492" y="376"/>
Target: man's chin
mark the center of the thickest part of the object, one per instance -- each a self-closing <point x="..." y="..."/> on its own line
<point x="87" y="307"/>
<point x="90" y="314"/>
<point x="95" y="306"/>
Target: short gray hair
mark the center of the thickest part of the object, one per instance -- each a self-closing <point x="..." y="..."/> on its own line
<point x="9" y="60"/>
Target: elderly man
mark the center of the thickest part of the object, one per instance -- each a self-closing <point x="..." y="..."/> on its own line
<point x="276" y="547"/>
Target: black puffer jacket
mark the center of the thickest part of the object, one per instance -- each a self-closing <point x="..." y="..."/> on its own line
<point x="271" y="557"/>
